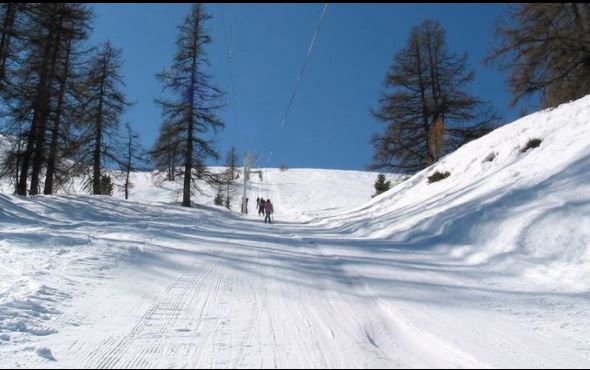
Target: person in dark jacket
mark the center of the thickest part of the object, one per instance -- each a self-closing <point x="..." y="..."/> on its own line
<point x="268" y="209"/>
<point x="261" y="207"/>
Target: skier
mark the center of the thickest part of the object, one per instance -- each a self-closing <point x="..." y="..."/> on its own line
<point x="257" y="202"/>
<point x="268" y="209"/>
<point x="261" y="207"/>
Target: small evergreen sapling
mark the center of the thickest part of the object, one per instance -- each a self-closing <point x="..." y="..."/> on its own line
<point x="218" y="201"/>
<point x="381" y="185"/>
<point x="106" y="185"/>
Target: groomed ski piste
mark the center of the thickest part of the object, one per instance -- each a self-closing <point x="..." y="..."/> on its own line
<point x="489" y="267"/>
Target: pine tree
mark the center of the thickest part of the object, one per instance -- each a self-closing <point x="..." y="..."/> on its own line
<point x="103" y="103"/>
<point x="35" y="52"/>
<point x="227" y="200"/>
<point x="191" y="114"/>
<point x="16" y="90"/>
<point x="166" y="154"/>
<point x="12" y="17"/>
<point x="426" y="106"/>
<point x="106" y="185"/>
<point x="544" y="50"/>
<point x="218" y="201"/>
<point x="381" y="185"/>
<point x="133" y="157"/>
<point x="230" y="174"/>
<point x="232" y="162"/>
<point x="66" y="99"/>
<point x="38" y="66"/>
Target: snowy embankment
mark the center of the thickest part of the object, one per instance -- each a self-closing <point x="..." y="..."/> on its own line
<point x="503" y="208"/>
<point x="488" y="267"/>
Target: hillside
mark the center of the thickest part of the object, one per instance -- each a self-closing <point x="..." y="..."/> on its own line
<point x="297" y="193"/>
<point x="523" y="212"/>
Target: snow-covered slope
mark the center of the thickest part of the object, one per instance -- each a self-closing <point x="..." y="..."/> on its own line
<point x="486" y="268"/>
<point x="523" y="212"/>
<point x="298" y="193"/>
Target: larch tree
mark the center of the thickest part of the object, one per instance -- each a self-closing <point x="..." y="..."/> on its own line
<point x="133" y="159"/>
<point x="165" y="154"/>
<point x="13" y="17"/>
<point x="190" y="113"/>
<point x="426" y="106"/>
<point x="545" y="50"/>
<point x="15" y="104"/>
<point x="37" y="67"/>
<point x="36" y="44"/>
<point x="103" y="105"/>
<point x="231" y="163"/>
<point x="66" y="95"/>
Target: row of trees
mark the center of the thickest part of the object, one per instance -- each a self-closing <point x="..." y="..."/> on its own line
<point x="426" y="105"/>
<point x="62" y="104"/>
<point x="61" y="101"/>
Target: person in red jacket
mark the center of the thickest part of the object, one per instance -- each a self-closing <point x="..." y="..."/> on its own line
<point x="268" y="209"/>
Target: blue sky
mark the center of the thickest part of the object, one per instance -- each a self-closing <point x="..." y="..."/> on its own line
<point x="329" y="125"/>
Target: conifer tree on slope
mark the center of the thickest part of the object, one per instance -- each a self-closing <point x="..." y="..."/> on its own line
<point x="427" y="108"/>
<point x="381" y="185"/>
<point x="37" y="45"/>
<point x="165" y="154"/>
<point x="544" y="50"/>
<point x="231" y="162"/>
<point x="133" y="160"/>
<point x="191" y="111"/>
<point x="104" y="103"/>
<point x="66" y="96"/>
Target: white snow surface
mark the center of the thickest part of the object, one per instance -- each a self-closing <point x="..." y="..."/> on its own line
<point x="489" y="267"/>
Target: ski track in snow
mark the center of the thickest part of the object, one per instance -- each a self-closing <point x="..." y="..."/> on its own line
<point x="180" y="291"/>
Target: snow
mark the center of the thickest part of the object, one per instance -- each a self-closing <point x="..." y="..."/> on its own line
<point x="489" y="267"/>
<point x="523" y="212"/>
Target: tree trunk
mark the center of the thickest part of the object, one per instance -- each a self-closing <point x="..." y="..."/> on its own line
<point x="227" y="202"/>
<point x="434" y="140"/>
<point x="7" y="33"/>
<point x="53" y="148"/>
<point x="188" y="163"/>
<point x="422" y="86"/>
<point x="128" y="164"/>
<point x="40" y="95"/>
<point x="127" y="183"/>
<point x="19" y="144"/>
<point x="39" y="153"/>
<point x="98" y="143"/>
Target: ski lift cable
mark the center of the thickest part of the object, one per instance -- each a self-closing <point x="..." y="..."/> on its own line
<point x="298" y="81"/>
<point x="232" y="66"/>
<point x="233" y="62"/>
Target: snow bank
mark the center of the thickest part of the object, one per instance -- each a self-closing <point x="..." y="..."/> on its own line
<point x="526" y="212"/>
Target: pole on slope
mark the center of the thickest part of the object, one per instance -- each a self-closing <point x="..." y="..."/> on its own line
<point x="247" y="166"/>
